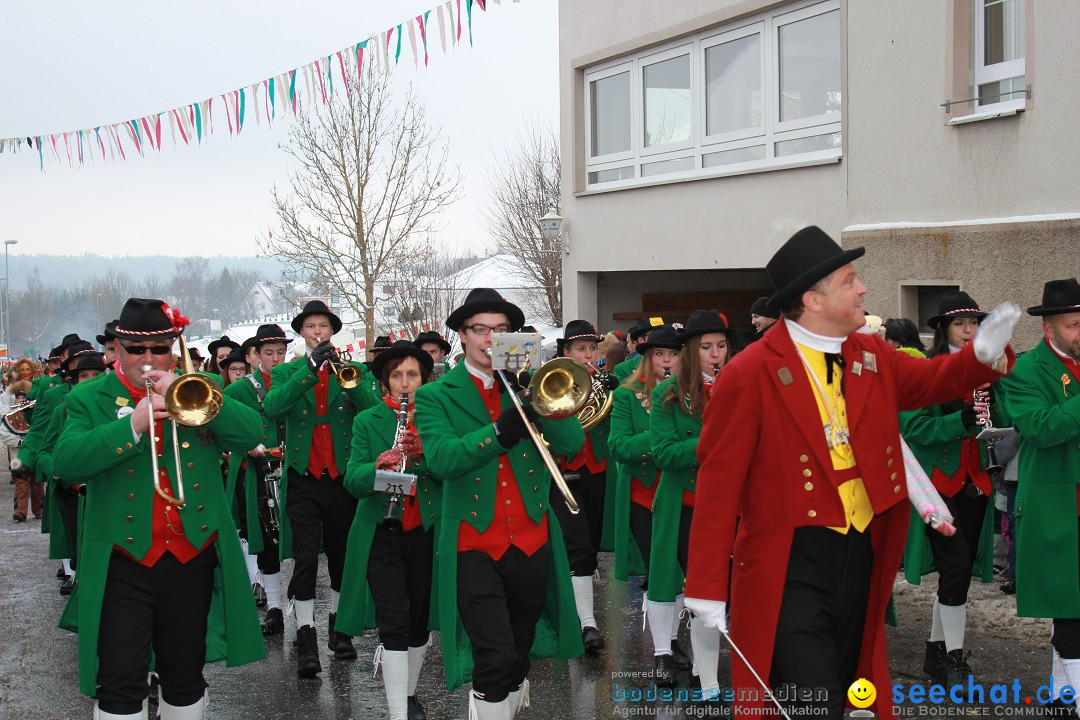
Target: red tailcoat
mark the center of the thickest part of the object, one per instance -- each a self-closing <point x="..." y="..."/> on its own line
<point x="764" y="459"/>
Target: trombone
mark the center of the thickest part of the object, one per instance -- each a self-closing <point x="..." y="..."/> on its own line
<point x="192" y="400"/>
<point x="559" y="389"/>
<point x="340" y="363"/>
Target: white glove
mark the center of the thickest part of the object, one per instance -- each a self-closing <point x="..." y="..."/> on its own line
<point x="711" y="612"/>
<point x="994" y="332"/>
<point x="16" y="464"/>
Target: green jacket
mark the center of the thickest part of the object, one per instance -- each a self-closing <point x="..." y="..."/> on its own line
<point x="243" y="391"/>
<point x="59" y="544"/>
<point x="38" y="386"/>
<point x="292" y="396"/>
<point x="99" y="449"/>
<point x="629" y="446"/>
<point x="626" y="367"/>
<point x="461" y="448"/>
<point x="674" y="438"/>
<point x="50" y="396"/>
<point x="1047" y="563"/>
<point x="373" y="433"/>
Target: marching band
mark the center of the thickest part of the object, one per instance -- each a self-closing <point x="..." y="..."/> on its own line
<point x="761" y="494"/>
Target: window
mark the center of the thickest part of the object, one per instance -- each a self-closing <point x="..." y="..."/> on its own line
<point x="998" y="54"/>
<point x="920" y="302"/>
<point x="761" y="93"/>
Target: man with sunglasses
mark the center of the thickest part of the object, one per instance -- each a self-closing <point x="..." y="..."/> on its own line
<point x="150" y="565"/>
<point x="318" y="510"/>
<point x="501" y="543"/>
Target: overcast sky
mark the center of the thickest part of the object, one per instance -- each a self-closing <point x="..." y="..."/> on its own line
<point x="77" y="65"/>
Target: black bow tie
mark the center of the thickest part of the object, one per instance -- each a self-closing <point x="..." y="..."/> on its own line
<point x="832" y="359"/>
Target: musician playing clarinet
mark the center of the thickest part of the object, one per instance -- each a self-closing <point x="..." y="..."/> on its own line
<point x="318" y="413"/>
<point x="149" y="567"/>
<point x="942" y="437"/>
<point x="800" y="445"/>
<point x="389" y="561"/>
<point x="501" y="546"/>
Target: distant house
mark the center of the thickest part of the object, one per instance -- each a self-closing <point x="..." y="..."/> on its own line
<point x="268" y="298"/>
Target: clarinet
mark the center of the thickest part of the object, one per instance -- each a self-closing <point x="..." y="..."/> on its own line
<point x="402" y="422"/>
<point x="985" y="422"/>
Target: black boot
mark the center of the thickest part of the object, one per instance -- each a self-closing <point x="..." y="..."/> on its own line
<point x="956" y="668"/>
<point x="340" y="643"/>
<point x="664" y="674"/>
<point x="592" y="640"/>
<point x="307" y="652"/>
<point x="934" y="662"/>
<point x="416" y="710"/>
<point x="260" y="595"/>
<point x="274" y="622"/>
<point x="67" y="585"/>
<point x="678" y="657"/>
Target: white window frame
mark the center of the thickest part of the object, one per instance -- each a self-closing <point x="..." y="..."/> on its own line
<point x="767" y="25"/>
<point x="982" y="74"/>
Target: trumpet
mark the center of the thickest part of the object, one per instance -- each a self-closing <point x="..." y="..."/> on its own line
<point x="192" y="400"/>
<point x="397" y="483"/>
<point x="559" y="389"/>
<point x="348" y="375"/>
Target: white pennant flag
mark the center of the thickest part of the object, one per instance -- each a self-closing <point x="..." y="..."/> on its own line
<point x="255" y="102"/>
<point x="442" y="28"/>
<point x="412" y="42"/>
<point x="453" y="32"/>
<point x="172" y="127"/>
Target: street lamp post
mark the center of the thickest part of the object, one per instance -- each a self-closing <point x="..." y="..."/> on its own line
<point x="7" y="298"/>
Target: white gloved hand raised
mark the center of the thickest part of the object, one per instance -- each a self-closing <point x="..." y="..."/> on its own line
<point x="16" y="464"/>
<point x="711" y="612"/>
<point x="994" y="332"/>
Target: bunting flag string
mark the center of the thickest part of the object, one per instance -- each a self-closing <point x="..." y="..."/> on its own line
<point x="195" y="121"/>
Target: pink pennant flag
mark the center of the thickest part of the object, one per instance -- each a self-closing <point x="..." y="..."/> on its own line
<point x="134" y="138"/>
<point x="180" y="122"/>
<point x="359" y="65"/>
<point x="423" y="36"/>
<point x="56" y="151"/>
<point x="322" y="86"/>
<point x="344" y="78"/>
<point x="67" y="147"/>
<point x="228" y="113"/>
<point x="359" y="346"/>
<point x="157" y="130"/>
<point x="459" y="20"/>
<point x="101" y="143"/>
<point x="236" y="108"/>
<point x="146" y="127"/>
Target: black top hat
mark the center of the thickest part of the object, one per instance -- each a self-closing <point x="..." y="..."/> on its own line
<point x="251" y="342"/>
<point x="68" y="340"/>
<point x="194" y="354"/>
<point x="270" y="334"/>
<point x="661" y="337"/>
<point x="87" y="361"/>
<point x="430" y="336"/>
<point x="808" y="256"/>
<point x="223" y="341"/>
<point x="527" y="329"/>
<point x="955" y="304"/>
<point x="580" y="330"/>
<point x="108" y="334"/>
<point x="702" y="322"/>
<point x="54" y="354"/>
<point x="486" y="300"/>
<point x="1059" y="297"/>
<point x="402" y="348"/>
<point x="236" y="356"/>
<point x="76" y="350"/>
<point x="381" y="343"/>
<point x="761" y="308"/>
<point x="316" y="307"/>
<point x="143" y="319"/>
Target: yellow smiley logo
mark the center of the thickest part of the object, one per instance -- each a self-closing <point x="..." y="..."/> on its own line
<point x="862" y="693"/>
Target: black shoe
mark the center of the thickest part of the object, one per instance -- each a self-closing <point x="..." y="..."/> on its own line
<point x="956" y="668"/>
<point x="1059" y="709"/>
<point x="67" y="585"/>
<point x="934" y="661"/>
<point x="416" y="710"/>
<point x="695" y="682"/>
<point x="678" y="657"/>
<point x="307" y="652"/>
<point x="260" y="595"/>
<point x="592" y="640"/>
<point x="664" y="673"/>
<point x="340" y="643"/>
<point x="274" y="622"/>
<point x="60" y="572"/>
<point x="1009" y="588"/>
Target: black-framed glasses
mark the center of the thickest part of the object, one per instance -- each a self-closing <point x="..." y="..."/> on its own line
<point x="153" y="349"/>
<point x="485" y="329"/>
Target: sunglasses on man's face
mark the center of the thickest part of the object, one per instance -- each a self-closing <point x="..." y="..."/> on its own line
<point x="153" y="349"/>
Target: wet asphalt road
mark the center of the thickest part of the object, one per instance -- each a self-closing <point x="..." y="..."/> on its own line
<point x="38" y="674"/>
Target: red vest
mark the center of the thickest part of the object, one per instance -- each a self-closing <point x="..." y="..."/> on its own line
<point x="322" y="441"/>
<point x="585" y="457"/>
<point x="511" y="525"/>
<point x="642" y="495"/>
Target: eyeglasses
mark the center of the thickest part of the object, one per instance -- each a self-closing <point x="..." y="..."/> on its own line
<point x="485" y="329"/>
<point x="153" y="349"/>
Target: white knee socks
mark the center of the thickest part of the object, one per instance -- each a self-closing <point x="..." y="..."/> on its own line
<point x="416" y="664"/>
<point x="679" y="607"/>
<point x="335" y="597"/>
<point x="706" y="644"/>
<point x="583" y="598"/>
<point x="272" y="585"/>
<point x="936" y="634"/>
<point x="661" y="618"/>
<point x="395" y="675"/>
<point x="953" y="624"/>
<point x="66" y="562"/>
<point x="305" y="613"/>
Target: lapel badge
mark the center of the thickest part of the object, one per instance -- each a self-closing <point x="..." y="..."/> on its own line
<point x="856" y="367"/>
<point x="122" y="401"/>
<point x="124" y="411"/>
<point x="869" y="361"/>
<point x="785" y="376"/>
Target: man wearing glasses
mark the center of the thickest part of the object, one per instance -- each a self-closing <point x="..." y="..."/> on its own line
<point x="148" y="566"/>
<point x="318" y="414"/>
<point x="501" y="544"/>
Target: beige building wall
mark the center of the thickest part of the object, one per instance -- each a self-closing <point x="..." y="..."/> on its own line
<point x="712" y="224"/>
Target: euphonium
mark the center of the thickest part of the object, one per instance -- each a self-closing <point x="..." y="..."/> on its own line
<point x="598" y="406"/>
<point x="348" y="375"/>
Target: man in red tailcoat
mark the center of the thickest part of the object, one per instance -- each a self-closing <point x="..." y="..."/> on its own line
<point x="800" y="443"/>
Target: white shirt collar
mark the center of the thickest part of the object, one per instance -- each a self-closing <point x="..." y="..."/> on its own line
<point x="707" y="377"/>
<point x="487" y="380"/>
<point x="821" y="343"/>
<point x="1060" y="354"/>
<point x="954" y="349"/>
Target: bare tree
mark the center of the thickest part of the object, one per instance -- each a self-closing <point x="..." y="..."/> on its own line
<point x="31" y="316"/>
<point x="370" y="179"/>
<point x="416" y="292"/>
<point x="522" y="185"/>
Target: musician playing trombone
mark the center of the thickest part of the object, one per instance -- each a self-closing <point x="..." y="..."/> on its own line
<point x="157" y="578"/>
<point x="391" y="543"/>
<point x="501" y="545"/>
<point x="259" y="468"/>
<point x="317" y="395"/>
